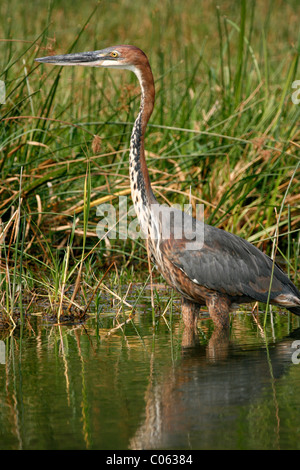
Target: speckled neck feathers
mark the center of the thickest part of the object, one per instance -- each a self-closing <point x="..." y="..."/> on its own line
<point x="141" y="190"/>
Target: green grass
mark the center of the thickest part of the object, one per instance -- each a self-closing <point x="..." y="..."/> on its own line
<point x="224" y="127"/>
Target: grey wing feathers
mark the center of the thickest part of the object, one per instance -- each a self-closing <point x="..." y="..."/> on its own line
<point x="229" y="264"/>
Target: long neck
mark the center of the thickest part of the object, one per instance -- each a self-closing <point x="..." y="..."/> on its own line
<point x="141" y="190"/>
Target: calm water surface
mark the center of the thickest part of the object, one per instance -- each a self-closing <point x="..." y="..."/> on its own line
<point x="75" y="387"/>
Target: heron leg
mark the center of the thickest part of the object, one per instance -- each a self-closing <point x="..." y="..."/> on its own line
<point x="219" y="307"/>
<point x="190" y="313"/>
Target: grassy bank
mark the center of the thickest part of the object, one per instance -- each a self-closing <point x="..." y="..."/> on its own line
<point x="224" y="132"/>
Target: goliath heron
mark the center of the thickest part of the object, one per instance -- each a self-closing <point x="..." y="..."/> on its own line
<point x="220" y="271"/>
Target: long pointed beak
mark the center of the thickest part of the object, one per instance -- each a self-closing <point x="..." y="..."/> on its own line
<point x="81" y="58"/>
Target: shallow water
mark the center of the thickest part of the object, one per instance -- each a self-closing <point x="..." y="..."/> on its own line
<point x="76" y="387"/>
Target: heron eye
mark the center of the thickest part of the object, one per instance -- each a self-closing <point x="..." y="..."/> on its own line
<point x="114" y="54"/>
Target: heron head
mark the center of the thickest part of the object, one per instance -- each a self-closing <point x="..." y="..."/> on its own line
<point x="122" y="57"/>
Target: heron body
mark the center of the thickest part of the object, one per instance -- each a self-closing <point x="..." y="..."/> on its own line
<point x="206" y="265"/>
